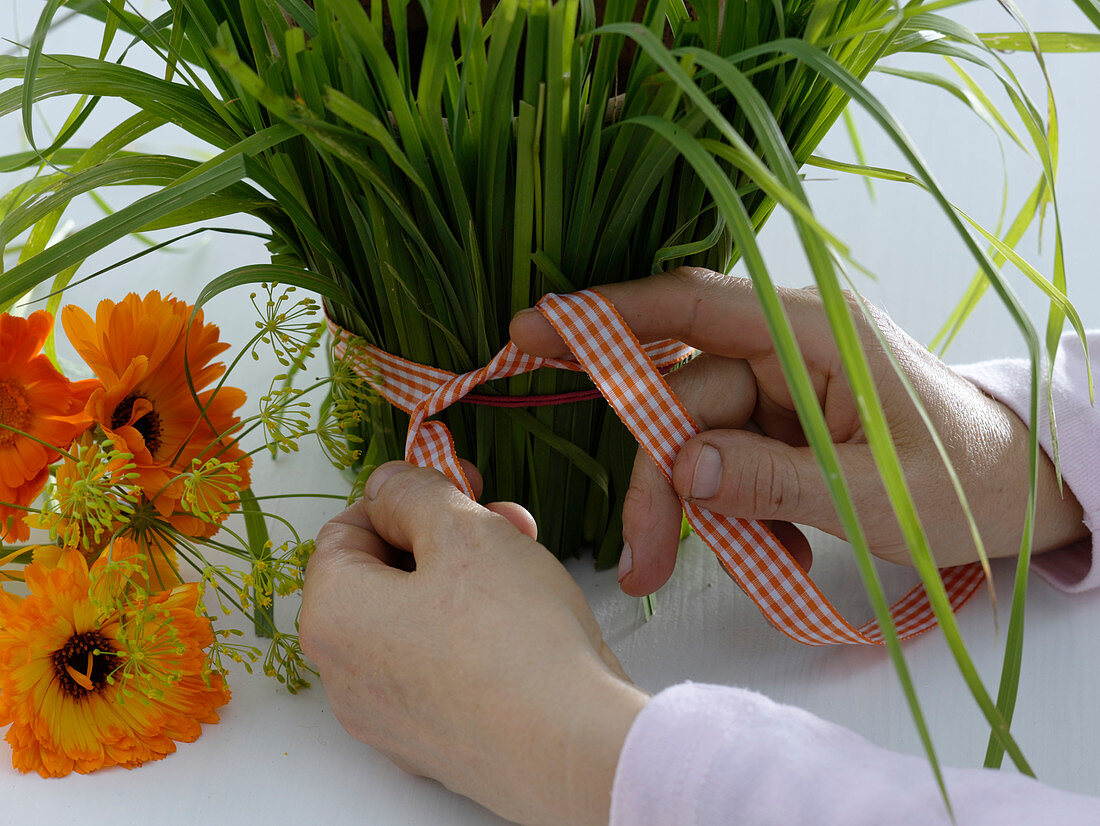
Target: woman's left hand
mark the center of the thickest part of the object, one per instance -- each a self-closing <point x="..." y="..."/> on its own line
<point x="451" y="641"/>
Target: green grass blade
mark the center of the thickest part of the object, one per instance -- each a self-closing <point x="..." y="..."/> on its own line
<point x="1091" y="10"/>
<point x="34" y="56"/>
<point x="1049" y="42"/>
<point x="838" y="75"/>
<point x="23" y="277"/>
<point x="857" y="147"/>
<point x="273" y="273"/>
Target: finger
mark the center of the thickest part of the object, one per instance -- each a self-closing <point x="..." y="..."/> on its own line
<point x="651" y="529"/>
<point x="744" y="474"/>
<point x="403" y="764"/>
<point x="350" y="532"/>
<point x="416" y="509"/>
<point x="473" y="476"/>
<point x="796" y="543"/>
<point x="357" y="514"/>
<point x="354" y="516"/>
<point x="717" y="392"/>
<point x="348" y="560"/>
<point x="716" y="313"/>
<point x="517" y="515"/>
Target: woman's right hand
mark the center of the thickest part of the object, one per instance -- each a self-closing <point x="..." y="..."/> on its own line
<point x="752" y="461"/>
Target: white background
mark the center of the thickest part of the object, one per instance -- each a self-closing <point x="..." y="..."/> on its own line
<point x="280" y="759"/>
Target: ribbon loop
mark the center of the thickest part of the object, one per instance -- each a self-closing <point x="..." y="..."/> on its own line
<point x="628" y="376"/>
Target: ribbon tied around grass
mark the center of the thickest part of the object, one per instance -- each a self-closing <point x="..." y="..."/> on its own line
<point x="628" y="375"/>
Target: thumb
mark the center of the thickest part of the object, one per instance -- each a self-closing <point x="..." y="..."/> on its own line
<point x="746" y="475"/>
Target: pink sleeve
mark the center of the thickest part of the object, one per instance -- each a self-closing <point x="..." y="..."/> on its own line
<point x="703" y="755"/>
<point x="1078" y="425"/>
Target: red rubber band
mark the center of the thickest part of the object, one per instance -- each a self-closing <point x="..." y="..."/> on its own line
<point x="544" y="400"/>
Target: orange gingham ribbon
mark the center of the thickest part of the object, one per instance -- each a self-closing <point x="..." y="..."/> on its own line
<point x="628" y="375"/>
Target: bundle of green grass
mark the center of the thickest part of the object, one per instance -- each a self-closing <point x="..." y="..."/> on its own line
<point x="458" y="160"/>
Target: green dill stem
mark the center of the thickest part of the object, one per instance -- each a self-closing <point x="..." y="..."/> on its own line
<point x="221" y="383"/>
<point x="292" y="496"/>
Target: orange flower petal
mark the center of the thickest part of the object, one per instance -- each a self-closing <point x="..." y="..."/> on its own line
<point x="36" y="400"/>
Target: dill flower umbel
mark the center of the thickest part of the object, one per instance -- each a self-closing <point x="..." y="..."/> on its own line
<point x="95" y="671"/>
<point x="40" y="403"/>
<point x="90" y="496"/>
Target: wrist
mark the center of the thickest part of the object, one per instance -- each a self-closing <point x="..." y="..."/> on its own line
<point x="596" y="737"/>
<point x="1059" y="518"/>
<point x="568" y="760"/>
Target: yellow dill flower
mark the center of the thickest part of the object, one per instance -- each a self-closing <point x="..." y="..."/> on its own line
<point x="211" y="488"/>
<point x="285" y="417"/>
<point x="94" y="672"/>
<point x="287" y="326"/>
<point x="90" y="497"/>
<point x="349" y="397"/>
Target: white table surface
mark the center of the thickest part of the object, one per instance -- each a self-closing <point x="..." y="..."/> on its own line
<point x="277" y="758"/>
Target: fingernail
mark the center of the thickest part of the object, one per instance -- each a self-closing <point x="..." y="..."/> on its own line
<point x="626" y="561"/>
<point x="708" y="473"/>
<point x="382" y="475"/>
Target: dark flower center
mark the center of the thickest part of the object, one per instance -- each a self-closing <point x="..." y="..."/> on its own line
<point x="14" y="410"/>
<point x="148" y="425"/>
<point x="84" y="663"/>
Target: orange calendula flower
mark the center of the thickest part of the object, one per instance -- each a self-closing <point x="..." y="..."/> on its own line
<point x="94" y="672"/>
<point x="41" y="403"/>
<point x="143" y="350"/>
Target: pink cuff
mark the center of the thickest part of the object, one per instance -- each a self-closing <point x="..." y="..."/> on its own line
<point x="1078" y="424"/>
